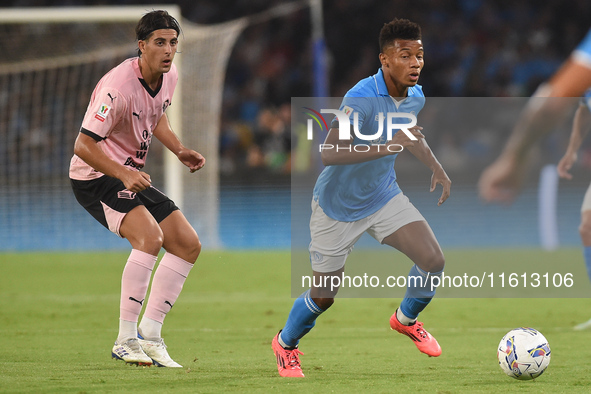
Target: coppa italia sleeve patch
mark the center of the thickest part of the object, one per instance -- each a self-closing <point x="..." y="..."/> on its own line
<point x="348" y="110"/>
<point x="103" y="112"/>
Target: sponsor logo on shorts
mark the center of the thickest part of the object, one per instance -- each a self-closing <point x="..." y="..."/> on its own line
<point x="126" y="194"/>
<point x="103" y="112"/>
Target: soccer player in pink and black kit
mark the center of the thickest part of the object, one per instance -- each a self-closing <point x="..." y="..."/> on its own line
<point x="128" y="107"/>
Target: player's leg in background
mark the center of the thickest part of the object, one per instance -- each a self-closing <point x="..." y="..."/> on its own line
<point x="585" y="232"/>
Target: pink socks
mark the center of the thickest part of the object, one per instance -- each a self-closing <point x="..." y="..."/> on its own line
<point x="134" y="284"/>
<point x="166" y="286"/>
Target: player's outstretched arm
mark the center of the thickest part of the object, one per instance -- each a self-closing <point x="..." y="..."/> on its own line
<point x="503" y="179"/>
<point x="572" y="79"/>
<point x="581" y="126"/>
<point x="423" y="152"/>
<point x="88" y="150"/>
<point x="188" y="157"/>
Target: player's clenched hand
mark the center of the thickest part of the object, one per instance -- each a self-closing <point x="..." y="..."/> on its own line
<point x="501" y="181"/>
<point x="136" y="181"/>
<point x="400" y="138"/>
<point x="194" y="160"/>
<point x="565" y="164"/>
<point x="440" y="177"/>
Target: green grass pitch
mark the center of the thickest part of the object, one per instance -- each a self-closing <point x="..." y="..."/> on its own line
<point x="59" y="318"/>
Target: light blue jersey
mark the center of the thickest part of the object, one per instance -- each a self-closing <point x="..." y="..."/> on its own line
<point x="582" y="53"/>
<point x="352" y="192"/>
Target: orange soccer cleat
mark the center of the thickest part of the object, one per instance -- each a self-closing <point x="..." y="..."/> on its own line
<point x="421" y="338"/>
<point x="288" y="360"/>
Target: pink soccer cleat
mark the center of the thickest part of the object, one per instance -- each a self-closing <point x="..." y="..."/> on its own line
<point x="288" y="360"/>
<point x="421" y="338"/>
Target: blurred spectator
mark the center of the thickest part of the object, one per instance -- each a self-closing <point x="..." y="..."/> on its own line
<point x="271" y="145"/>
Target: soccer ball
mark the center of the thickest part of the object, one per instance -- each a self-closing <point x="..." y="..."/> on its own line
<point x="524" y="353"/>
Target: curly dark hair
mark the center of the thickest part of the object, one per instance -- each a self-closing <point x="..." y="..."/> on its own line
<point x="155" y="20"/>
<point x="401" y="29"/>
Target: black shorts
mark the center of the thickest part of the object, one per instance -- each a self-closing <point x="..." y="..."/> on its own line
<point x="108" y="201"/>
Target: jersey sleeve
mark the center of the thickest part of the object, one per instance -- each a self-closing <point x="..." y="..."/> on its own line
<point x="353" y="107"/>
<point x="582" y="54"/>
<point x="105" y="109"/>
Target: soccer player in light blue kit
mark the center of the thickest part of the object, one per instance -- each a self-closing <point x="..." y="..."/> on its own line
<point x="357" y="192"/>
<point x="581" y="126"/>
<point x="502" y="180"/>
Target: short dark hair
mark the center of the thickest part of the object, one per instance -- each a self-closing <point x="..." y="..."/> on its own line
<point x="155" y="20"/>
<point x="398" y="29"/>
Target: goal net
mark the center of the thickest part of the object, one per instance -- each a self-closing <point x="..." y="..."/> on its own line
<point x="53" y="60"/>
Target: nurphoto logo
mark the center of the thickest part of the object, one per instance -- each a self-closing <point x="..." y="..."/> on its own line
<point x="344" y="116"/>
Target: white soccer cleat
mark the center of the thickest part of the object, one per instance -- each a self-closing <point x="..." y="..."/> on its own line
<point x="583" y="326"/>
<point x="131" y="352"/>
<point x="156" y="350"/>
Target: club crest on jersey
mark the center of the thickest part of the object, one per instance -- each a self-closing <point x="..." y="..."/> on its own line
<point x="103" y="112"/>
